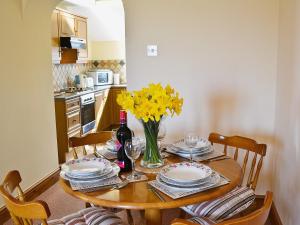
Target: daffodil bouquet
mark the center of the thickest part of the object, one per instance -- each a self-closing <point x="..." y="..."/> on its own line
<point x="149" y="105"/>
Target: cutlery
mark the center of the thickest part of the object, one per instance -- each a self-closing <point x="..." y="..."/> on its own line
<point x="108" y="187"/>
<point x="120" y="185"/>
<point x="156" y="193"/>
<point x="219" y="159"/>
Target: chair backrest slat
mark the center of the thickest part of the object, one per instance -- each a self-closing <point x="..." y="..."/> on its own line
<point x="249" y="182"/>
<point x="225" y="149"/>
<point x="247" y="144"/>
<point x="236" y="154"/>
<point x="259" y="166"/>
<point x="89" y="139"/>
<point x="245" y="163"/>
<point x="22" y="213"/>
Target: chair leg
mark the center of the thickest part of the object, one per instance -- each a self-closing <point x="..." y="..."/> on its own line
<point x="129" y="216"/>
<point x="88" y="205"/>
<point x="182" y="214"/>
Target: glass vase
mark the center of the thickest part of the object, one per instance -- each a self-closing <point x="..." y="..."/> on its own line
<point x="152" y="157"/>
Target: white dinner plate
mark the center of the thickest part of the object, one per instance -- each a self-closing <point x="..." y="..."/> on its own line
<point x="202" y="143"/>
<point x="87" y="166"/>
<point x="115" y="171"/>
<point x="194" y="151"/>
<point x="212" y="180"/>
<point x="90" y="176"/>
<point x="186" y="154"/>
<point x="186" y="172"/>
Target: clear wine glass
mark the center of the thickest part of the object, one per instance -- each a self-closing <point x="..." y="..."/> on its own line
<point x="191" y="140"/>
<point x="133" y="150"/>
<point x="114" y="134"/>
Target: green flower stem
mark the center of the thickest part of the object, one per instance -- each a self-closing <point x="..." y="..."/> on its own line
<point x="151" y="154"/>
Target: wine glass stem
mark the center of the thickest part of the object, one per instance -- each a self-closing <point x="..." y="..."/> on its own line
<point x="133" y="168"/>
<point x="191" y="155"/>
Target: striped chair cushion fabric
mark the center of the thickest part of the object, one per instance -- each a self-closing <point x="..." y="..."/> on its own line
<point x="89" y="216"/>
<point x="202" y="220"/>
<point x="224" y="207"/>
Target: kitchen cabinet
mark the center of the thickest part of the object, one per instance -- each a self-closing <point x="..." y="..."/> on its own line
<point x="67" y="24"/>
<point x="102" y="107"/>
<point x="56" y="53"/>
<point x="81" y="32"/>
<point x="114" y="106"/>
<point x="68" y="124"/>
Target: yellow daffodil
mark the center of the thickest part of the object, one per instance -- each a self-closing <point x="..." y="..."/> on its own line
<point x="152" y="102"/>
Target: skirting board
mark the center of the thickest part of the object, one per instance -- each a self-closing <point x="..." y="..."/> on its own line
<point x="33" y="192"/>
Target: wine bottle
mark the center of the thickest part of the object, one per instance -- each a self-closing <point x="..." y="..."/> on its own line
<point x="123" y="134"/>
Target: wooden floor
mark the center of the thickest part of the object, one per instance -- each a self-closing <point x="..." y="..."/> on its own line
<point x="62" y="204"/>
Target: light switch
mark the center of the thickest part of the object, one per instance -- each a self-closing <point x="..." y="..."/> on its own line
<point x="152" y="50"/>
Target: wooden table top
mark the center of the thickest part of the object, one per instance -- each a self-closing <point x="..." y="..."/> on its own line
<point x="138" y="196"/>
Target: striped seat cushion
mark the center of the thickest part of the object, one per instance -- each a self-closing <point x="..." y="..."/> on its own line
<point x="202" y="220"/>
<point x="224" y="207"/>
<point x="89" y="216"/>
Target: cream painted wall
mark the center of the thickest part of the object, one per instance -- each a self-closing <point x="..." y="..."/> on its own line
<point x="220" y="55"/>
<point x="286" y="183"/>
<point x="27" y="136"/>
<point x="107" y="50"/>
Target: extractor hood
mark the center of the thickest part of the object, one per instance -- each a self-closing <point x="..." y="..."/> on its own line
<point x="72" y="42"/>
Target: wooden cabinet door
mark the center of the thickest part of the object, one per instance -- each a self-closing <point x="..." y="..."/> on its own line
<point x="81" y="32"/>
<point x="115" y="107"/>
<point x="67" y="24"/>
<point x="56" y="56"/>
<point x="99" y="100"/>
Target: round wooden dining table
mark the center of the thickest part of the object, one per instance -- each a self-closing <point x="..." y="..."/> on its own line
<point x="138" y="196"/>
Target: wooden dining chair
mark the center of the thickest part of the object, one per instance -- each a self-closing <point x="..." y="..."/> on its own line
<point x="25" y="213"/>
<point x="94" y="139"/>
<point x="89" y="139"/>
<point x="258" y="217"/>
<point x="248" y="145"/>
<point x="241" y="198"/>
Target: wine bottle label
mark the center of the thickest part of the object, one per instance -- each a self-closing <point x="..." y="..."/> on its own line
<point x="117" y="145"/>
<point x="121" y="164"/>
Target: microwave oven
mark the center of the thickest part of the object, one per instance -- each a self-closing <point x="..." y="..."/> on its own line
<point x="101" y="77"/>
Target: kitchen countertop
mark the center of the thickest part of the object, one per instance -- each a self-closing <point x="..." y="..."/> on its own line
<point x="67" y="96"/>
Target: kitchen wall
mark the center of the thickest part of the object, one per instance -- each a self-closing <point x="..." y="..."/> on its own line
<point x="27" y="135"/>
<point x="286" y="183"/>
<point x="107" y="50"/>
<point x="222" y="58"/>
<point x="61" y="72"/>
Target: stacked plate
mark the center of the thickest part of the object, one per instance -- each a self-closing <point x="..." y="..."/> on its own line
<point x="180" y="148"/>
<point x="90" y="173"/>
<point x="113" y="146"/>
<point x="187" y="175"/>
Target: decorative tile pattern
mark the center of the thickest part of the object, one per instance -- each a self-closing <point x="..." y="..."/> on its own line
<point x="61" y="72"/>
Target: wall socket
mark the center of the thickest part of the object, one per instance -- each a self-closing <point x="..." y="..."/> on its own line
<point x="152" y="50"/>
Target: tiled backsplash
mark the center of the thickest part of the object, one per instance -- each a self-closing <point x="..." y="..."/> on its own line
<point x="61" y="72"/>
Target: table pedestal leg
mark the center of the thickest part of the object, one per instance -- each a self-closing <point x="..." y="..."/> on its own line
<point x="153" y="216"/>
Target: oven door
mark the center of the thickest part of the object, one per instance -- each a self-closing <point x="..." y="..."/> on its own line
<point x="88" y="117"/>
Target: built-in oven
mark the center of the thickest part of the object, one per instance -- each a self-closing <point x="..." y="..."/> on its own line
<point x="87" y="112"/>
